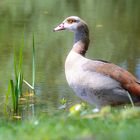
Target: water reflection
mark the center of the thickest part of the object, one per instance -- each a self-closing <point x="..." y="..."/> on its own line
<point x="114" y="33"/>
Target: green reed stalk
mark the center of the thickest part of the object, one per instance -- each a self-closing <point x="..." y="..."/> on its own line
<point x="33" y="63"/>
<point x="7" y="98"/>
<point x="33" y="67"/>
<point x="14" y="98"/>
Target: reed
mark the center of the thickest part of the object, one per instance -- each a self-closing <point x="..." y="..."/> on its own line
<point x="33" y="66"/>
<point x="16" y="84"/>
<point x="33" y="63"/>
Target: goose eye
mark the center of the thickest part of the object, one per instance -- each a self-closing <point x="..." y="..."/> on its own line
<point x="70" y="21"/>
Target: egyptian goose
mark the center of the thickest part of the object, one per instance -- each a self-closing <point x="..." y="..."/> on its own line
<point x="97" y="82"/>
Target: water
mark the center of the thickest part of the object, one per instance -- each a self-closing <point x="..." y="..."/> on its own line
<point x="114" y="34"/>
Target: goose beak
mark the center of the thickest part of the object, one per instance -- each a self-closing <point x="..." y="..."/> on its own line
<point x="59" y="27"/>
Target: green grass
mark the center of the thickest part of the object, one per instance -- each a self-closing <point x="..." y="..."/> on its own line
<point x="122" y="124"/>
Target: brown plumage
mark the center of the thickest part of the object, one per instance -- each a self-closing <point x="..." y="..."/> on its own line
<point x="126" y="79"/>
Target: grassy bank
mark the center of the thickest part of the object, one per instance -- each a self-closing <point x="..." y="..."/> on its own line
<point x="123" y="124"/>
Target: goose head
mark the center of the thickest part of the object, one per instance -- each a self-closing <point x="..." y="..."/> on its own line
<point x="79" y="27"/>
<point x="71" y="23"/>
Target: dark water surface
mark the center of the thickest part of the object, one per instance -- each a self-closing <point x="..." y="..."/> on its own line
<point x="114" y="33"/>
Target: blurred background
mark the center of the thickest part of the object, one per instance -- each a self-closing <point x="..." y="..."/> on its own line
<point x="114" y="33"/>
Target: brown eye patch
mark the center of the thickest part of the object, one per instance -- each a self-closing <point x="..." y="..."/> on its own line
<point x="70" y="21"/>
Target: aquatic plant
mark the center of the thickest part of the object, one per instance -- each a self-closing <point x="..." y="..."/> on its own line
<point x="16" y="84"/>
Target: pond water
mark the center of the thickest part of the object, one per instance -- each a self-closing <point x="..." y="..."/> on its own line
<point x="114" y="34"/>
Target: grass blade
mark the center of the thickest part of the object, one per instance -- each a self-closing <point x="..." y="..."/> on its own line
<point x="19" y="83"/>
<point x="21" y="56"/>
<point x="7" y="98"/>
<point x="33" y="63"/>
<point x="13" y="95"/>
<point x="29" y="85"/>
<point x="130" y="98"/>
<point x="15" y="65"/>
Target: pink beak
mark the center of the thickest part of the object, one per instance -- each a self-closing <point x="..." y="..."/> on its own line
<point x="59" y="27"/>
